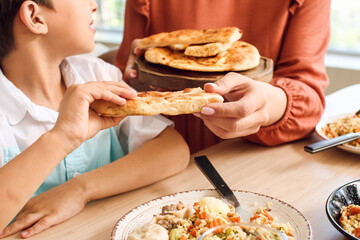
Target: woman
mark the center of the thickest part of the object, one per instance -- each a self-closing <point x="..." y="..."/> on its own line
<point x="293" y="33"/>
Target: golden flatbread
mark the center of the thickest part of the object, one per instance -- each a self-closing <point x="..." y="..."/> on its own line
<point x="191" y="36"/>
<point x="189" y="100"/>
<point x="207" y="50"/>
<point x="240" y="56"/>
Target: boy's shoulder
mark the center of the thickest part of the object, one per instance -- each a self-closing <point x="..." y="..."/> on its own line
<point x="87" y="68"/>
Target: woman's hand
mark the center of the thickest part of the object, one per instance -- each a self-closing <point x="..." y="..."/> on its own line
<point x="48" y="209"/>
<point x="79" y="123"/>
<point x="130" y="71"/>
<point x="251" y="105"/>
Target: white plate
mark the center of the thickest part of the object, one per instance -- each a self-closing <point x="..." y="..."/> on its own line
<point x="143" y="213"/>
<point x="331" y="119"/>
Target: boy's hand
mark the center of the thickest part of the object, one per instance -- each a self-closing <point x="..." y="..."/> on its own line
<point x="130" y="72"/>
<point x="48" y="209"/>
<point x="76" y="121"/>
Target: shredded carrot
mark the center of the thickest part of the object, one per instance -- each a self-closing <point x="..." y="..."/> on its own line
<point x="354" y="210"/>
<point x="235" y="219"/>
<point x="204" y="215"/>
<point x="193" y="232"/>
<point x="357" y="232"/>
<point x="254" y="217"/>
<point x="190" y="227"/>
<point x="196" y="207"/>
<point x="217" y="222"/>
<point x="268" y="216"/>
<point x="183" y="237"/>
<point x="197" y="222"/>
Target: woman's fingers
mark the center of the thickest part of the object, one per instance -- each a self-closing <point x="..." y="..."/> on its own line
<point x="229" y="127"/>
<point x="20" y="223"/>
<point x="227" y="83"/>
<point x="130" y="72"/>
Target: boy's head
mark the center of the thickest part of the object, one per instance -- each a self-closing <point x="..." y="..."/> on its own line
<point x="61" y="28"/>
<point x="8" y="11"/>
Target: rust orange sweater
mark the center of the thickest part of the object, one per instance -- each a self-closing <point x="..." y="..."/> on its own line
<point x="294" y="33"/>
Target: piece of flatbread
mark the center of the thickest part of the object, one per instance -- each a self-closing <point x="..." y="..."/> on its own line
<point x="189" y="100"/>
<point x="191" y="36"/>
<point x="239" y="57"/>
<point x="179" y="47"/>
<point x="207" y="50"/>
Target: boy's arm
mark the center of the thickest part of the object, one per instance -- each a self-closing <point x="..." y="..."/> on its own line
<point x="76" y="123"/>
<point x="157" y="159"/>
<point x="28" y="170"/>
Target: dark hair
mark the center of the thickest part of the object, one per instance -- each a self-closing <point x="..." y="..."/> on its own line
<point x="8" y="11"/>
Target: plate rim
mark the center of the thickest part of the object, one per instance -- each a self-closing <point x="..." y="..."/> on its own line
<point x="308" y="225"/>
<point x="332" y="220"/>
<point x="329" y="119"/>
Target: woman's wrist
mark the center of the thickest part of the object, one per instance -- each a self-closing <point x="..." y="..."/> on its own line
<point x="277" y="103"/>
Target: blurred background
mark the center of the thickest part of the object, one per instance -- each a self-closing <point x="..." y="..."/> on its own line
<point x="342" y="60"/>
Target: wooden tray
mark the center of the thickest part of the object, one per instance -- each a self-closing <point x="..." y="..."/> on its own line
<point x="175" y="79"/>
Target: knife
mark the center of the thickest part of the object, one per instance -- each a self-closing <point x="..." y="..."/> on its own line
<point x="220" y="185"/>
<point x="332" y="142"/>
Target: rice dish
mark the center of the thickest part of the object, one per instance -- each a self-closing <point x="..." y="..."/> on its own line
<point x="350" y="219"/>
<point x="189" y="222"/>
<point x="348" y="124"/>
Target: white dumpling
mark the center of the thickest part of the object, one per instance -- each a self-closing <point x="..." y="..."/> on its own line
<point x="149" y="232"/>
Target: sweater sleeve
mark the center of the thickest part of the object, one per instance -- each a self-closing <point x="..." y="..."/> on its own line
<point x="137" y="24"/>
<point x="301" y="73"/>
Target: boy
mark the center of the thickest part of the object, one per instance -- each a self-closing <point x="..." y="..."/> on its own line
<point x="50" y="144"/>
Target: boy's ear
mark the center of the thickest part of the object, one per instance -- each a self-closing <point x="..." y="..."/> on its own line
<point x="30" y="15"/>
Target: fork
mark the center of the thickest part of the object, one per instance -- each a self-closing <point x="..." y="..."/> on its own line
<point x="220" y="185"/>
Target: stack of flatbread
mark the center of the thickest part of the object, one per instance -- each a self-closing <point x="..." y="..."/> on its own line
<point x="207" y="50"/>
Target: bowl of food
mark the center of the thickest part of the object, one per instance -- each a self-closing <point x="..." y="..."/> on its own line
<point x="343" y="209"/>
<point x="339" y="125"/>
<point x="187" y="215"/>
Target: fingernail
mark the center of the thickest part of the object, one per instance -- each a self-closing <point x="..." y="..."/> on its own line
<point x="25" y="233"/>
<point x="1" y="233"/>
<point x="207" y="111"/>
<point x="212" y="84"/>
<point x="132" y="75"/>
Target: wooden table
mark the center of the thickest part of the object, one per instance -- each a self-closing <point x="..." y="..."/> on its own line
<point x="286" y="172"/>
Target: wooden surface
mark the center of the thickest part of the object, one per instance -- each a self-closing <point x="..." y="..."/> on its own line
<point x="175" y="79"/>
<point x="286" y="172"/>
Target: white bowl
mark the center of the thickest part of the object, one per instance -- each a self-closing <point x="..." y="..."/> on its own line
<point x="320" y="133"/>
<point x="143" y="213"/>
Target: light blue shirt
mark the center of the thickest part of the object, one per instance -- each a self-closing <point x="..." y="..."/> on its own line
<point x="22" y="122"/>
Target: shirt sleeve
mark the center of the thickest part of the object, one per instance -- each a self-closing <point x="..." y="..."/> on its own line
<point x="134" y="131"/>
<point x="8" y="146"/>
<point x="300" y="71"/>
<point x="137" y="24"/>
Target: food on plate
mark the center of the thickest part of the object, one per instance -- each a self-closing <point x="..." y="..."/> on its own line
<point x="207" y="50"/>
<point x="350" y="219"/>
<point x="150" y="231"/>
<point x="189" y="100"/>
<point x="189" y="222"/>
<point x="348" y="124"/>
